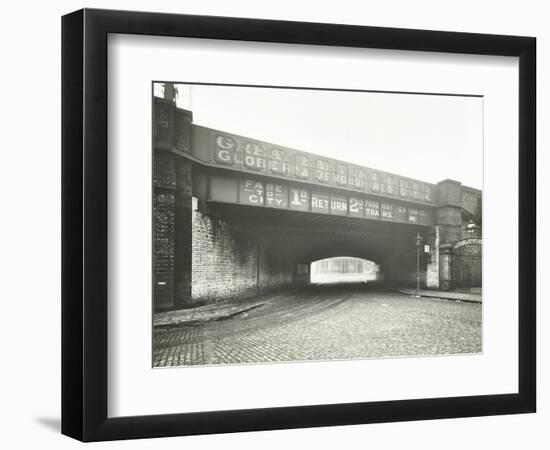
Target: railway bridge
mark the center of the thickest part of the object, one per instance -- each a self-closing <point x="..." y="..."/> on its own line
<point x="234" y="216"/>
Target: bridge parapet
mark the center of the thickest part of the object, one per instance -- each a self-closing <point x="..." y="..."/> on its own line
<point x="174" y="131"/>
<point x="220" y="149"/>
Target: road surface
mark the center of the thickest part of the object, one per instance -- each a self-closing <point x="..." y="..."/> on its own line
<point x="325" y="323"/>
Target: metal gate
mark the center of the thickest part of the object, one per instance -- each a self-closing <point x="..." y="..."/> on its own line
<point x="466" y="270"/>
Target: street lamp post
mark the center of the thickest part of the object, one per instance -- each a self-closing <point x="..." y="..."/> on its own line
<point x="471" y="228"/>
<point x="418" y="240"/>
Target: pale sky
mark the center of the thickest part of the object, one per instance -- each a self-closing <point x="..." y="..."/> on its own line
<point x="427" y="137"/>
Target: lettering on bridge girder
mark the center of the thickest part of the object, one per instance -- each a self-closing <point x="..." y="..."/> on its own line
<point x="252" y="192"/>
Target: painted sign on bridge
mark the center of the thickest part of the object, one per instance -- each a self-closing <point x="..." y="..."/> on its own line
<point x="255" y="192"/>
<point x="222" y="149"/>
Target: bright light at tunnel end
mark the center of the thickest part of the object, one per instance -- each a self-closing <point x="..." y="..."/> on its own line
<point x="344" y="269"/>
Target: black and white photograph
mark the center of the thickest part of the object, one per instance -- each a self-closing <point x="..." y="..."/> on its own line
<point x="301" y="224"/>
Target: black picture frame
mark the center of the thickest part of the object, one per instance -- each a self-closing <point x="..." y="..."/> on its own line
<point x="84" y="224"/>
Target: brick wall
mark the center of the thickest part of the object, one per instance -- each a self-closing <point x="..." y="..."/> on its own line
<point x="172" y="197"/>
<point x="164" y="183"/>
<point x="229" y="261"/>
<point x="224" y="261"/>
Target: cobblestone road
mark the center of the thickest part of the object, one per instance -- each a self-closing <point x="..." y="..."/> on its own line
<point x="324" y="323"/>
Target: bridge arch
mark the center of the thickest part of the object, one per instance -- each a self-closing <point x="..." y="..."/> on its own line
<point x="344" y="269"/>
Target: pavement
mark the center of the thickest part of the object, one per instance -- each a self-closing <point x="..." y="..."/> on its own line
<point x="449" y="295"/>
<point x="192" y="316"/>
<point x="318" y="323"/>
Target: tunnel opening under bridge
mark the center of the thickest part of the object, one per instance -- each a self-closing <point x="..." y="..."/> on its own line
<point x="344" y="270"/>
<point x="239" y="251"/>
